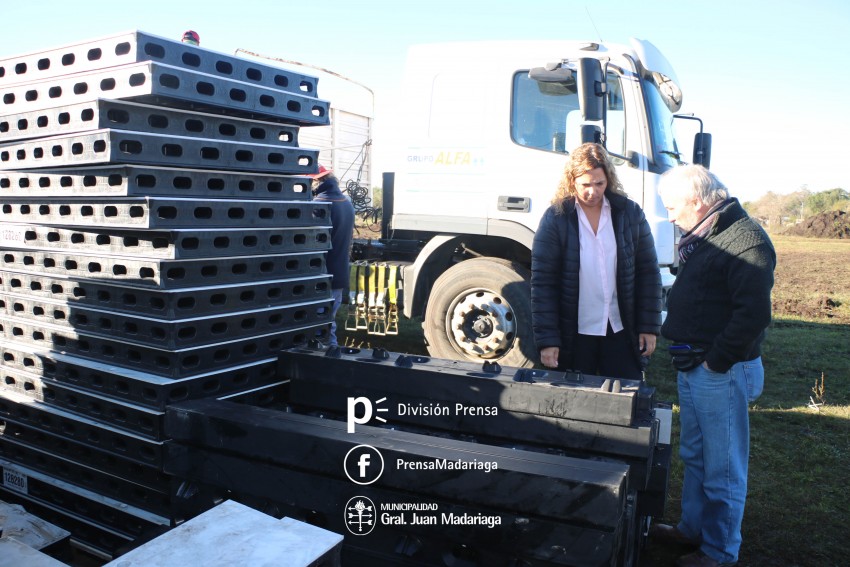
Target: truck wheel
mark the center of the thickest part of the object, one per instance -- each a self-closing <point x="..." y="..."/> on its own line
<point x="480" y="309"/>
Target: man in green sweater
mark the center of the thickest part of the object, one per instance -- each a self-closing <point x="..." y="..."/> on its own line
<point x="718" y="310"/>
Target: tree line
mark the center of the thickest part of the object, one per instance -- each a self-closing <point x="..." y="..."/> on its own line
<point x="776" y="210"/>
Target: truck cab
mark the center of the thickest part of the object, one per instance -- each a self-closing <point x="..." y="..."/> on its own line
<point x="488" y="127"/>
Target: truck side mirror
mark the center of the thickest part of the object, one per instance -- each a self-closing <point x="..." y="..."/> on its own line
<point x="591" y="89"/>
<point x="702" y="149"/>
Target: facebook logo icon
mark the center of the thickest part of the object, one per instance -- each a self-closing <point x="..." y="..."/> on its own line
<point x="364" y="464"/>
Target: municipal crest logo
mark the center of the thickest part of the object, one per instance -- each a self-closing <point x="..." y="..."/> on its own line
<point x="360" y="515"/>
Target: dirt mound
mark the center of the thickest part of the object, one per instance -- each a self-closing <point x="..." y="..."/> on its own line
<point x="831" y="224"/>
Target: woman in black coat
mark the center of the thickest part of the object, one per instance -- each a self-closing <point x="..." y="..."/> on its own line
<point x="595" y="281"/>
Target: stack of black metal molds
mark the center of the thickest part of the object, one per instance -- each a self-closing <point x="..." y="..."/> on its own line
<point x="582" y="463"/>
<point x="159" y="244"/>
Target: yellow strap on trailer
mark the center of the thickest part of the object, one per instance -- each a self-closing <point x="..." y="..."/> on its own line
<point x="373" y="293"/>
<point x="379" y="324"/>
<point x="362" y="322"/>
<point x="392" y="300"/>
<point x="351" y="315"/>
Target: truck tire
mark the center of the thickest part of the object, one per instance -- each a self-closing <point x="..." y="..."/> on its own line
<point x="479" y="310"/>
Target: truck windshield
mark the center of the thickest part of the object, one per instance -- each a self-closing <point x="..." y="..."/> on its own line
<point x="665" y="151"/>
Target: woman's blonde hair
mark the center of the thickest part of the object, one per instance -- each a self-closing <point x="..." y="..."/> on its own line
<point x="584" y="158"/>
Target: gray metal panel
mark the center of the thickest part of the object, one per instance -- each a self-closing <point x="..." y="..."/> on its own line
<point x="28" y="529"/>
<point x="90" y="432"/>
<point x="165" y="85"/>
<point x="167" y="304"/>
<point x="167" y="363"/>
<point x="102" y="113"/>
<point x="138" y="387"/>
<point x="134" y="181"/>
<point x="104" y="481"/>
<point x="136" y="46"/>
<point x="252" y="538"/>
<point x="120" y="414"/>
<point x="171" y="334"/>
<point x="164" y="274"/>
<point x="167" y="213"/>
<point x="59" y="446"/>
<point x="172" y="245"/>
<point x="119" y="516"/>
<point x="102" y="147"/>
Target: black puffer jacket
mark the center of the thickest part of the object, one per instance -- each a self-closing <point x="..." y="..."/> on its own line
<point x="554" y="274"/>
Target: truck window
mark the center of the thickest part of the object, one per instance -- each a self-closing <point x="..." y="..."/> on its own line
<point x="615" y="134"/>
<point x="546" y="116"/>
<point x="539" y="112"/>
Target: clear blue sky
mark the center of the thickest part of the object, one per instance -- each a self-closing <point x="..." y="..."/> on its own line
<point x="768" y="78"/>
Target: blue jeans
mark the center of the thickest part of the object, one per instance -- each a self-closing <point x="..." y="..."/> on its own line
<point x="715" y="449"/>
<point x="337" y="297"/>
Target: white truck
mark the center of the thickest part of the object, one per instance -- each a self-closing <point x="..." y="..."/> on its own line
<point x="487" y="129"/>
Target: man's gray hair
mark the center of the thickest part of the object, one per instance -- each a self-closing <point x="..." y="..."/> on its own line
<point x="695" y="180"/>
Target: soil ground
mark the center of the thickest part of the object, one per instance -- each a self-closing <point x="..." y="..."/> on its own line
<point x="812" y="279"/>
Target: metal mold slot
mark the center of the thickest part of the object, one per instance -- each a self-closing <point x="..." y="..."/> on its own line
<point x="118" y="146"/>
<point x="96" y="434"/>
<point x="141" y="421"/>
<point x="160" y="84"/>
<point x="122" y="115"/>
<point x="167" y="363"/>
<point x="169" y="305"/>
<point x="129" y="181"/>
<point x="165" y="274"/>
<point x="167" y="213"/>
<point x="139" y="46"/>
<point x="168" y="334"/>
<point x="99" y="509"/>
<point x="37" y="440"/>
<point x="141" y="388"/>
<point x="99" y="481"/>
<point x="173" y="245"/>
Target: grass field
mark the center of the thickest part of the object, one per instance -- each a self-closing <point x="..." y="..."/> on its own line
<point x="797" y="511"/>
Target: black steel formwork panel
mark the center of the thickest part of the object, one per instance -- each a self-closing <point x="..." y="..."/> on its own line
<point x="168" y="304"/>
<point x="102" y="511"/>
<point x="153" y="254"/>
<point x="164" y="213"/>
<point x="36" y="439"/>
<point x="164" y="274"/>
<point x="102" y="481"/>
<point x="583" y="416"/>
<point x="116" y="413"/>
<point x="176" y="363"/>
<point x="580" y="503"/>
<point x="171" y="244"/>
<point x="95" y="434"/>
<point x="141" y="388"/>
<point x="104" y="147"/>
<point x="170" y="334"/>
<point x="167" y="85"/>
<point x="142" y="181"/>
<point x="137" y="46"/>
<point x="124" y="115"/>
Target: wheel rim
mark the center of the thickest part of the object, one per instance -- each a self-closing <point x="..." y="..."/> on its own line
<point x="482" y="324"/>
